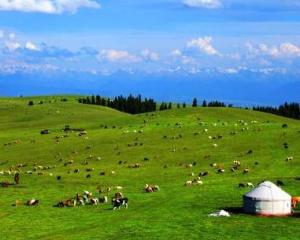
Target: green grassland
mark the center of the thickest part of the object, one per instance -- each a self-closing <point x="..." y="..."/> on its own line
<point x="176" y="211"/>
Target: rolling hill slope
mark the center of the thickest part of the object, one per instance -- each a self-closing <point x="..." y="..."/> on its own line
<point x="163" y="144"/>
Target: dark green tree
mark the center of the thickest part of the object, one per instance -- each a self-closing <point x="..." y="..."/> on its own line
<point x="195" y="102"/>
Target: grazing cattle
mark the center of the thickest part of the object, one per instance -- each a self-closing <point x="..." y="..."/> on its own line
<point x="79" y="200"/>
<point x="32" y="202"/>
<point x="137" y="165"/>
<point x="236" y="163"/>
<point x="197" y="182"/>
<point x="94" y="201"/>
<point x="213" y="164"/>
<point x="221" y="170"/>
<point x="249" y="152"/>
<point x="88" y="176"/>
<point x="119" y="202"/>
<point x="246" y="170"/>
<point x="148" y="189"/>
<point x="288" y="159"/>
<point x="58" y="178"/>
<point x="44" y="132"/>
<point x="203" y="174"/>
<point x="284" y="125"/>
<point x="188" y="183"/>
<point x="67" y="203"/>
<point x="251" y="185"/>
<point x="76" y="171"/>
<point x="242" y="185"/>
<point x="151" y="188"/>
<point x="118" y="195"/>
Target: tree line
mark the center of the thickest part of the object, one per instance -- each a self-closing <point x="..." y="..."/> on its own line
<point x="290" y="110"/>
<point x="210" y="104"/>
<point x="136" y="105"/>
<point x="130" y="104"/>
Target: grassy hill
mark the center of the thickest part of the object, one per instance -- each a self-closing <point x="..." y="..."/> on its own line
<point x="170" y="140"/>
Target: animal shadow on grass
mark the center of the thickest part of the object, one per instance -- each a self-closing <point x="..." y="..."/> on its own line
<point x="19" y="186"/>
<point x="234" y="210"/>
<point x="296" y="214"/>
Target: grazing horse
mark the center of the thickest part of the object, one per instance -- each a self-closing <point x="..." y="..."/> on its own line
<point x="119" y="202"/>
<point x="295" y="201"/>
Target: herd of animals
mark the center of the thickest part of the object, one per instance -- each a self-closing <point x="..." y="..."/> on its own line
<point x="118" y="200"/>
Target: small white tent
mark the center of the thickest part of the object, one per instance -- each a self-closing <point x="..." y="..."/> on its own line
<point x="267" y="199"/>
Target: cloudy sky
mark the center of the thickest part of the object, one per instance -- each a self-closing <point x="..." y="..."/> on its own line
<point x="105" y="36"/>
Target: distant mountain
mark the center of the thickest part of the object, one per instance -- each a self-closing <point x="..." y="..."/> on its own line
<point x="242" y="88"/>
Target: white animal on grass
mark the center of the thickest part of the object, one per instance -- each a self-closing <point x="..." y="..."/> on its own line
<point x="188" y="183"/>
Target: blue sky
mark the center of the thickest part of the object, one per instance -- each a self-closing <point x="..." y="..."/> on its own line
<point x="106" y="36"/>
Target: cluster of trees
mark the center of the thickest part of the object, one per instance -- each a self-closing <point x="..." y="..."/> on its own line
<point x="209" y="104"/>
<point x="130" y="104"/>
<point x="165" y="106"/>
<point x="291" y="110"/>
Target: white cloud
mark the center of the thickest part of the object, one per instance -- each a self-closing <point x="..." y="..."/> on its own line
<point x="186" y="60"/>
<point x="149" y="55"/>
<point x="203" y="3"/>
<point x="283" y="50"/>
<point x="113" y="55"/>
<point x="31" y="46"/>
<point x="176" y="53"/>
<point x="47" y="6"/>
<point x="203" y="45"/>
<point x="1" y="34"/>
<point x="231" y="71"/>
<point x="289" y="49"/>
<point x="12" y="45"/>
<point x="12" y="36"/>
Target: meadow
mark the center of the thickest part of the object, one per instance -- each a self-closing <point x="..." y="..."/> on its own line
<point x="164" y="143"/>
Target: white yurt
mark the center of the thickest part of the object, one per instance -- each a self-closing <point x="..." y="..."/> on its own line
<point x="267" y="199"/>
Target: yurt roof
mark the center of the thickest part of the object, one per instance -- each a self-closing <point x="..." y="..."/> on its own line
<point x="268" y="191"/>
